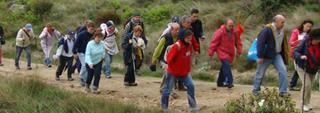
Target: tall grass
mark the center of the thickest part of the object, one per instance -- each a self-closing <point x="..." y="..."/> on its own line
<point x="34" y="96"/>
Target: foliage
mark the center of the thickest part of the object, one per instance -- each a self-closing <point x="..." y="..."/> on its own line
<point x="33" y="96"/>
<point x="268" y="101"/>
<point x="157" y="14"/>
<point x="40" y="7"/>
<point x="105" y="15"/>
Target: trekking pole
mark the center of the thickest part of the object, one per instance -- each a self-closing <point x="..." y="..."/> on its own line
<point x="304" y="85"/>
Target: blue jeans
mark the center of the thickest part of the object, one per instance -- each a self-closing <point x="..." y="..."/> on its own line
<point x="83" y="71"/>
<point x="225" y="74"/>
<point x="18" y="54"/>
<point x="107" y="62"/>
<point x="280" y="67"/>
<point x="187" y="81"/>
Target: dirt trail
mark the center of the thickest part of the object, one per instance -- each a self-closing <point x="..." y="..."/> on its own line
<point x="146" y="94"/>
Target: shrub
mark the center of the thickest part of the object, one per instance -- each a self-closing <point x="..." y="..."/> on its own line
<point x="268" y="101"/>
<point x="105" y="15"/>
<point x="157" y="14"/>
<point x="312" y="7"/>
<point x="40" y="7"/>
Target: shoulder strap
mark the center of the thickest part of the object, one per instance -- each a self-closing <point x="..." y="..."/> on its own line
<point x="26" y="33"/>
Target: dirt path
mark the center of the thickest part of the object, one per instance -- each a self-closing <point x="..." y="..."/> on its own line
<point x="146" y="94"/>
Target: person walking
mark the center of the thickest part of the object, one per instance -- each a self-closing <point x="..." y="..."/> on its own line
<point x="79" y="49"/>
<point x="47" y="38"/>
<point x="66" y="45"/>
<point x="272" y="48"/>
<point x="297" y="35"/>
<point x="307" y="58"/>
<point x="23" y="40"/>
<point x="179" y="68"/>
<point x="1" y="40"/>
<point x="224" y="42"/>
<point x="110" y="44"/>
<point x="94" y="57"/>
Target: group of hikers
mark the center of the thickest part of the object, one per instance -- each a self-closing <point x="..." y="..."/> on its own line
<point x="93" y="49"/>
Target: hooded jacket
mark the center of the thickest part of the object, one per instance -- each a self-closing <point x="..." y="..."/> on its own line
<point x="225" y="45"/>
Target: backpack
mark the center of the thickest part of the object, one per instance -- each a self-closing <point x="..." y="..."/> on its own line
<point x="168" y="49"/>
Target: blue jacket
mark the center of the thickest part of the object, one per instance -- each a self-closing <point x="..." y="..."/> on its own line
<point x="81" y="42"/>
<point x="266" y="46"/>
<point x="302" y="50"/>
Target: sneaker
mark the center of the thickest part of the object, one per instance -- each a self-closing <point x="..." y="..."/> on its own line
<point x="133" y="84"/>
<point x="70" y="79"/>
<point x="306" y="108"/>
<point x="108" y="77"/>
<point x="29" y="68"/>
<point x="294" y="89"/>
<point x="194" y="109"/>
<point x="57" y="78"/>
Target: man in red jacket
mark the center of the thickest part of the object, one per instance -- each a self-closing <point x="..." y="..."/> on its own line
<point x="179" y="67"/>
<point x="224" y="42"/>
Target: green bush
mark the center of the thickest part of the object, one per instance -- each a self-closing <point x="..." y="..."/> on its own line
<point x="268" y="101"/>
<point x="40" y="7"/>
<point x="312" y="7"/>
<point x="157" y="14"/>
<point x="105" y="15"/>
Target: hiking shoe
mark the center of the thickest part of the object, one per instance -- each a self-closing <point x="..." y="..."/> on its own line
<point x="70" y="79"/>
<point x="57" y="78"/>
<point x="1" y="64"/>
<point x="294" y="89"/>
<point x="17" y="68"/>
<point x="133" y="84"/>
<point x="284" y="94"/>
<point x="96" y="92"/>
<point x="126" y="83"/>
<point x="49" y="66"/>
<point x="87" y="89"/>
<point x="29" y="68"/>
<point x="82" y="82"/>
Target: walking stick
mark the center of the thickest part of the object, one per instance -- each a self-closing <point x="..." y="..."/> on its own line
<point x="303" y="85"/>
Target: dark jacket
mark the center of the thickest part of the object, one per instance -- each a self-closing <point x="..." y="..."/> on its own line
<point x="266" y="46"/>
<point x="1" y="32"/>
<point x="197" y="29"/>
<point x="81" y="42"/>
<point x="129" y="28"/>
<point x="127" y="49"/>
<point x="302" y="49"/>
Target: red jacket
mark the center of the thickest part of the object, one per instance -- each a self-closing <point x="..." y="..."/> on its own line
<point x="195" y="44"/>
<point x="294" y="42"/>
<point x="225" y="46"/>
<point x="179" y="59"/>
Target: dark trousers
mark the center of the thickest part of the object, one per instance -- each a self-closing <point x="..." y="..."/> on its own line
<point x="64" y="62"/>
<point x="77" y="66"/>
<point x="294" y="79"/>
<point x="225" y="74"/>
<point x="130" y="76"/>
<point x="95" y="72"/>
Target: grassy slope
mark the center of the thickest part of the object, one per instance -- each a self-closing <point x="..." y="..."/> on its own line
<point x="34" y="96"/>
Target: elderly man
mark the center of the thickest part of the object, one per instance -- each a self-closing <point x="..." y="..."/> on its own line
<point x="166" y="40"/>
<point x="272" y="47"/>
<point x="224" y="42"/>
